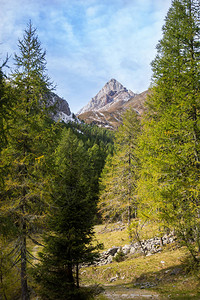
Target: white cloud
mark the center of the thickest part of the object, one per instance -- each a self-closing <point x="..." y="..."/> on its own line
<point x="126" y="36"/>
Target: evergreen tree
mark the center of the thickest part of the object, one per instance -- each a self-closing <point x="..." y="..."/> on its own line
<point x="109" y="204"/>
<point x="70" y="222"/>
<point x="96" y="160"/>
<point x="6" y="102"/>
<point x="28" y="142"/>
<point x="169" y="147"/>
<point x="4" y="105"/>
<point x="119" y="177"/>
<point x="4" y="110"/>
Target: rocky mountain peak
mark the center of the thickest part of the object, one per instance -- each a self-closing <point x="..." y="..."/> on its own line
<point x="113" y="85"/>
<point x="112" y="92"/>
<point x="62" y="110"/>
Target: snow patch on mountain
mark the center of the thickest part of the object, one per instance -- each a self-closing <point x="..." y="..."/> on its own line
<point x="62" y="112"/>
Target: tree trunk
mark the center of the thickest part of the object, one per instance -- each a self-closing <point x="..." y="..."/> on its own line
<point x="70" y="277"/>
<point x="24" y="285"/>
<point x="77" y="276"/>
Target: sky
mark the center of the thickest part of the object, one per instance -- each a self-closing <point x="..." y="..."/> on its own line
<point x="88" y="42"/>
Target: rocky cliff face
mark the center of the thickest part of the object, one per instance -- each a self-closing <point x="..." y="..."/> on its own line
<point x="112" y="92"/>
<point x="61" y="108"/>
<point x="61" y="104"/>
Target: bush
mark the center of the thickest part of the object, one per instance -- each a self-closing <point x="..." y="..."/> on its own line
<point x="120" y="256"/>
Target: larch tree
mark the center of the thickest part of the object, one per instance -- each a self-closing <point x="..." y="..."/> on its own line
<point x="109" y="203"/>
<point x="5" y="105"/>
<point x="4" y="112"/>
<point x="7" y="100"/>
<point x="29" y="139"/>
<point x="119" y="177"/>
<point x="169" y="146"/>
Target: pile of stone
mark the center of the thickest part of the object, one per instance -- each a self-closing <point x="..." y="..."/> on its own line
<point x="145" y="247"/>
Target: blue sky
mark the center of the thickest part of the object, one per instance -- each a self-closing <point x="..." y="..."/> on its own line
<point x="88" y="42"/>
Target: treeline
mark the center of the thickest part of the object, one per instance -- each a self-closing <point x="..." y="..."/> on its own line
<point x="155" y="170"/>
<point x="48" y="184"/>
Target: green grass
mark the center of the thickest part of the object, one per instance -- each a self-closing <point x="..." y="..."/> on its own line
<point x="111" y="238"/>
<point x="169" y="273"/>
<point x="165" y="272"/>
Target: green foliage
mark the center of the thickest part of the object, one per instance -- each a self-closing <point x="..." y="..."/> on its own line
<point x="120" y="256"/>
<point x="99" y="143"/>
<point x="119" y="177"/>
<point x="23" y="157"/>
<point x="5" y="105"/>
<point x="70" y="221"/>
<point x="169" y="147"/>
<point x="33" y="176"/>
<point x="9" y="274"/>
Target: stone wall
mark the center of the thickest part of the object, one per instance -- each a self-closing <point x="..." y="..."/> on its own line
<point x="145" y="247"/>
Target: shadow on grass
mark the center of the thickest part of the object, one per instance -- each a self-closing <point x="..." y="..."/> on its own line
<point x="169" y="283"/>
<point x="177" y="282"/>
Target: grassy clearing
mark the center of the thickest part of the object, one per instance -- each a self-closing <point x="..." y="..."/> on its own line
<point x="162" y="273"/>
<point x="134" y="269"/>
<point x="110" y="236"/>
<point x="118" y="235"/>
<point x="165" y="274"/>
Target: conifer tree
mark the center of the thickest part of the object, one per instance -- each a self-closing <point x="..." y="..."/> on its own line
<point x="70" y="222"/>
<point x="3" y="117"/>
<point x="28" y="142"/>
<point x="6" y="102"/>
<point x="4" y="107"/>
<point x="109" y="204"/>
<point x="119" y="177"/>
<point x="169" y="147"/>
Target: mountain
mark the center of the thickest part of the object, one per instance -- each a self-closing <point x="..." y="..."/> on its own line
<point x="112" y="92"/>
<point x="107" y="107"/>
<point x="62" y="110"/>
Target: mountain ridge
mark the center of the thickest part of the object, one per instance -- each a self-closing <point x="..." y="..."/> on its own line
<point x="105" y="109"/>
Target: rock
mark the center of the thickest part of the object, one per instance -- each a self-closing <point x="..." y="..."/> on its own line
<point x="132" y="250"/>
<point x="149" y="254"/>
<point x="112" y="251"/>
<point x="147" y="285"/>
<point x="126" y="249"/>
<point x="113" y="278"/>
<point x="61" y="107"/>
<point x="150" y="247"/>
<point x="109" y="259"/>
